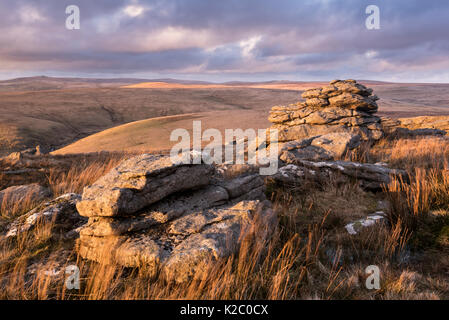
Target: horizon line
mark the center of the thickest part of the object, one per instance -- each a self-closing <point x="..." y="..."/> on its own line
<point x="204" y="81"/>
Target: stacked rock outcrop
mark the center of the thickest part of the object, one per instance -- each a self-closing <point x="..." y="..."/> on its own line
<point x="342" y="106"/>
<point x="316" y="134"/>
<point x="171" y="217"/>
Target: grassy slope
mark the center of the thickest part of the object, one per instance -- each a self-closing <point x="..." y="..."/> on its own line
<point x="57" y="112"/>
<point x="154" y="134"/>
<point x="58" y="117"/>
<point x="398" y="100"/>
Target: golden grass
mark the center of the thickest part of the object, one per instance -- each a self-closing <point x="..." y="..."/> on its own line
<point x="298" y="86"/>
<point x="11" y="208"/>
<point x="77" y="177"/>
<point x="310" y="256"/>
<point x="426" y="152"/>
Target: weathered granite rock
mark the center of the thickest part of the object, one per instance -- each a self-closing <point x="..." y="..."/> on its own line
<point x="290" y="133"/>
<point x="158" y="213"/>
<point x="185" y="227"/>
<point x="337" y="143"/>
<point x="61" y="210"/>
<point x="414" y="127"/>
<point x="407" y="133"/>
<point x="291" y="174"/>
<point x="354" y="101"/>
<point x="32" y="192"/>
<point x="326" y="147"/>
<point x="342" y="106"/>
<point x="337" y="87"/>
<point x="219" y="236"/>
<point x="389" y="124"/>
<point x="179" y="247"/>
<point x="369" y="176"/>
<point x="426" y="122"/>
<point x="139" y="182"/>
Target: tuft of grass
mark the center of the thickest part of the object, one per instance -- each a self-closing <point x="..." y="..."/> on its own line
<point x="77" y="177"/>
<point x="10" y="208"/>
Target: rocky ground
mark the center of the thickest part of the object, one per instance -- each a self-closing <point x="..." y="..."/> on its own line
<point x="352" y="190"/>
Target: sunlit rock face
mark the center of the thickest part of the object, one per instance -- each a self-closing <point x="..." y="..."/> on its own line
<point x="341" y="106"/>
<point x="149" y="212"/>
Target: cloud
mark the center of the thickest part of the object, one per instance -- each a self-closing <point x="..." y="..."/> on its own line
<point x="30" y="14"/>
<point x="133" y="10"/>
<point x="249" y="45"/>
<point x="249" y="39"/>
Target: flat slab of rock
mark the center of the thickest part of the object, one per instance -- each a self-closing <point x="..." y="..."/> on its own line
<point x="173" y="217"/>
<point x="426" y="122"/>
<point x="326" y="147"/>
<point x="178" y="247"/>
<point x="338" y="87"/>
<point x="298" y="132"/>
<point x="370" y="176"/>
<point x="139" y="182"/>
<point x="158" y="213"/>
<point x="417" y="126"/>
<point x="354" y="101"/>
<point x="298" y="175"/>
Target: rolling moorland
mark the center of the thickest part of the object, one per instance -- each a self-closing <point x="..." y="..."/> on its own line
<point x="54" y="112"/>
<point x="314" y="250"/>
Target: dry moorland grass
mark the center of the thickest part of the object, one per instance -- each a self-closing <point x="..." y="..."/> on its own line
<point x="155" y="134"/>
<point x="55" y="112"/>
<point x="310" y="256"/>
<point x="58" y="117"/>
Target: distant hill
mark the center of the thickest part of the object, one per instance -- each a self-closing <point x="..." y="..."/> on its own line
<point x="154" y="134"/>
<point x="276" y="85"/>
<point x="55" y="112"/>
<point x="52" y="83"/>
<point x="54" y="118"/>
<point x="41" y="83"/>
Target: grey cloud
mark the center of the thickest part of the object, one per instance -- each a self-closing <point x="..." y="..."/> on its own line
<point x="320" y="38"/>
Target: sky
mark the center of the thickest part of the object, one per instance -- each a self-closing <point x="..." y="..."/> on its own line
<point x="227" y="40"/>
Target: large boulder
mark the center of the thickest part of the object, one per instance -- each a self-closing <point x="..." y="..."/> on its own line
<point x="326" y="147"/>
<point x="290" y="133"/>
<point x="369" y="176"/>
<point x="180" y="246"/>
<point x="354" y="101"/>
<point x="139" y="182"/>
<point x="185" y="214"/>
